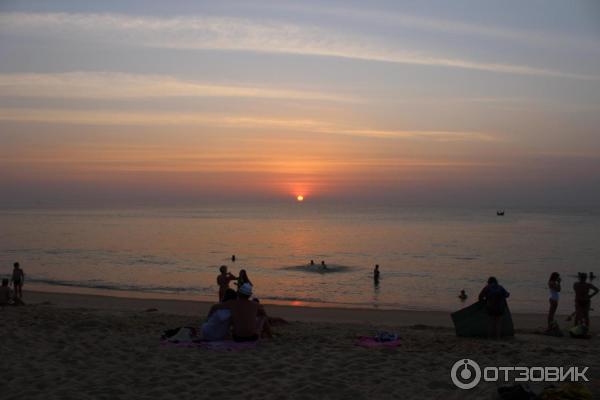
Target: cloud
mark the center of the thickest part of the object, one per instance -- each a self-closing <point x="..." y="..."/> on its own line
<point x="225" y="33"/>
<point x="110" y="85"/>
<point x="241" y="122"/>
<point x="390" y="18"/>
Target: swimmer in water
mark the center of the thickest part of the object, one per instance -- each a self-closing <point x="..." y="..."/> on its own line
<point x="323" y="266"/>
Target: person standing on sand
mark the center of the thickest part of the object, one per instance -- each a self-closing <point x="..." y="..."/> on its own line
<point x="376" y="274"/>
<point x="223" y="281"/>
<point x="5" y="293"/>
<point x="583" y="299"/>
<point x="554" y="287"/>
<point x="18" y="279"/>
<point x="494" y="296"/>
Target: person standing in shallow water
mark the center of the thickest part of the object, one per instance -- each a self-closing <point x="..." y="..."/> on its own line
<point x="554" y="287"/>
<point x="223" y="280"/>
<point x="376" y="274"/>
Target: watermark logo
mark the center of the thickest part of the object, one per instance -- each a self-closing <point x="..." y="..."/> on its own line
<point x="466" y="374"/>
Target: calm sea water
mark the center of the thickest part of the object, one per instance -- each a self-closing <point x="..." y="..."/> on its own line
<point x="426" y="255"/>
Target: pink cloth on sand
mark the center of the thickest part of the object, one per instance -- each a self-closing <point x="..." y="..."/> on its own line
<point x="369" y="342"/>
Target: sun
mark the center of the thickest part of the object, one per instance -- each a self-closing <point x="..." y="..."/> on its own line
<point x="300" y="197"/>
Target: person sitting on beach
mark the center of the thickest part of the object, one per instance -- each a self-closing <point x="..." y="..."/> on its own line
<point x="223" y="281"/>
<point x="248" y="317"/>
<point x="18" y="279"/>
<point x="218" y="323"/>
<point x="6" y="296"/>
<point x="494" y="296"/>
<point x="463" y="295"/>
<point x="554" y="287"/>
<point x="265" y="332"/>
<point x="583" y="299"/>
<point x="243" y="278"/>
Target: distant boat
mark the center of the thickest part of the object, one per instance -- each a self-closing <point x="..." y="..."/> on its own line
<point x="500" y="213"/>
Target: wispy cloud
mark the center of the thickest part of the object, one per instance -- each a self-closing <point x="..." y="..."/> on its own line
<point x="111" y="85"/>
<point x="450" y="26"/>
<point x="240" y="122"/>
<point x="223" y="33"/>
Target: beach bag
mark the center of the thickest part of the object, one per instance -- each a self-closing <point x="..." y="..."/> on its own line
<point x="579" y="332"/>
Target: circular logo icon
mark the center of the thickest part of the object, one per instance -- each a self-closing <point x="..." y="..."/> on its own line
<point x="465" y="374"/>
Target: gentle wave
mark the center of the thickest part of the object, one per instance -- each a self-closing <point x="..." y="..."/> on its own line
<point x="317" y="268"/>
<point x="95" y="284"/>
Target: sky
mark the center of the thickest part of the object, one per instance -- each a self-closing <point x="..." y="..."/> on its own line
<point x="414" y="102"/>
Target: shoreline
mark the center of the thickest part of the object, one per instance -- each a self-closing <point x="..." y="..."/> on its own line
<point x="199" y="309"/>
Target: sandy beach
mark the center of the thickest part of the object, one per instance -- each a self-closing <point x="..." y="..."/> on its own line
<point x="69" y="346"/>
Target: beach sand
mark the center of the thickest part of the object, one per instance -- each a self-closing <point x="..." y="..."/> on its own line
<point x="68" y="346"/>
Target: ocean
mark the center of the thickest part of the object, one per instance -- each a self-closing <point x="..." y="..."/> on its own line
<point x="426" y="255"/>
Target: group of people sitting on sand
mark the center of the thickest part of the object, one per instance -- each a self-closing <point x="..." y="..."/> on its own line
<point x="237" y="315"/>
<point x="14" y="296"/>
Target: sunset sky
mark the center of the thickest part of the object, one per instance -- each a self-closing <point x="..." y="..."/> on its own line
<point x="138" y="102"/>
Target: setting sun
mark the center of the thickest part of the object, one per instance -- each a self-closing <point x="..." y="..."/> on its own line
<point x="300" y="197"/>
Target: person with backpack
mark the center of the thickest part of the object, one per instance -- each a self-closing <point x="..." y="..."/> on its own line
<point x="494" y="296"/>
